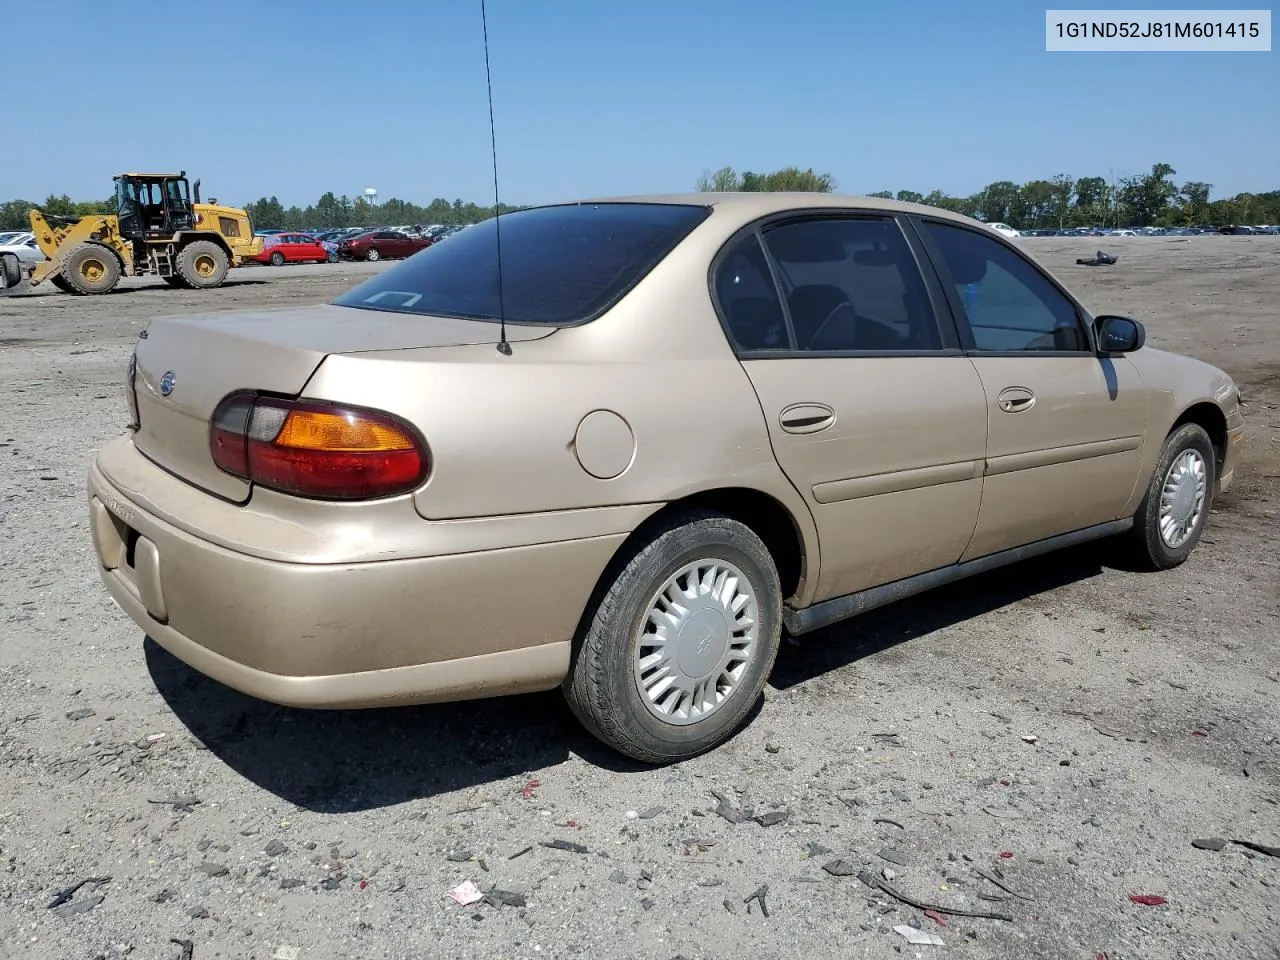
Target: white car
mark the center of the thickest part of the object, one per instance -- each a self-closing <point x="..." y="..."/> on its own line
<point x="1004" y="230"/>
<point x="24" y="245"/>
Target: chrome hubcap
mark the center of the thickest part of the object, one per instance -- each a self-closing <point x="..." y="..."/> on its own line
<point x="699" y="636"/>
<point x="1182" y="498"/>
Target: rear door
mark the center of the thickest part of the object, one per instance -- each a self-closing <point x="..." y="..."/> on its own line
<point x="1065" y="426"/>
<point x="874" y="413"/>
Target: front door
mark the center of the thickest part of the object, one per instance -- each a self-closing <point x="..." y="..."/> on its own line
<point x="874" y="414"/>
<point x="309" y="248"/>
<point x="178" y="205"/>
<point x="1065" y="426"/>
<point x="293" y="248"/>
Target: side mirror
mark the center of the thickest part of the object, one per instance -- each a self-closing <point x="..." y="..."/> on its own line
<point x="10" y="271"/>
<point x="1120" y="334"/>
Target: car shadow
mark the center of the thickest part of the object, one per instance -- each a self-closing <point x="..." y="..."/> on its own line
<point x="343" y="761"/>
<point x="842" y="644"/>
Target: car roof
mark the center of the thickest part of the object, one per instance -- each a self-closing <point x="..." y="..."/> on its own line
<point x="750" y="206"/>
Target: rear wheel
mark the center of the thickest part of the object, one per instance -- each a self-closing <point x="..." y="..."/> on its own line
<point x="332" y="256"/>
<point x="277" y="259"/>
<point x="1175" y="508"/>
<point x="90" y="268"/>
<point x="373" y="254"/>
<point x="680" y="644"/>
<point x="203" y="264"/>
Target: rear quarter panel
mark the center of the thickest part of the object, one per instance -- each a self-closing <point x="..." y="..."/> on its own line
<point x="502" y="429"/>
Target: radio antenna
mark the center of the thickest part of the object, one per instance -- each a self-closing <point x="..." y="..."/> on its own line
<point x="504" y="347"/>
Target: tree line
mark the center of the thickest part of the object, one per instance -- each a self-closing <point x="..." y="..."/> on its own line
<point x="1151" y="199"/>
<point x="269" y="213"/>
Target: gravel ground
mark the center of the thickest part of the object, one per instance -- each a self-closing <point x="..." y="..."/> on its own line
<point x="1066" y="727"/>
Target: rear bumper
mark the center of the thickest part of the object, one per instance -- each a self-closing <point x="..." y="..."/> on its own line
<point x="340" y="635"/>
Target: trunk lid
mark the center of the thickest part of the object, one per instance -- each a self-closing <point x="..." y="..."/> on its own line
<point x="186" y="365"/>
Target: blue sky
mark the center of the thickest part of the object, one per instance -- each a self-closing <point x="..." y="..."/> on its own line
<point x="592" y="97"/>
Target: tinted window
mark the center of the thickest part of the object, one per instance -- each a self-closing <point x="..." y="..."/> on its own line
<point x="852" y="284"/>
<point x="560" y="264"/>
<point x="1009" y="303"/>
<point x="749" y="300"/>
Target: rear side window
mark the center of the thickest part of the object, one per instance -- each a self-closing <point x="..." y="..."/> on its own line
<point x="852" y="284"/>
<point x="560" y="264"/>
<point x="749" y="300"/>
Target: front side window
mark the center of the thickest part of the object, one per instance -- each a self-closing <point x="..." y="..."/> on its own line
<point x="852" y="284"/>
<point x="1010" y="305"/>
<point x="560" y="264"/>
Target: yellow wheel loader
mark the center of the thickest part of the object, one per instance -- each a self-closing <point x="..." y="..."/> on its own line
<point x="157" y="229"/>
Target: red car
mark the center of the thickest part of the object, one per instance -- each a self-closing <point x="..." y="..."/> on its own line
<point x="383" y="243"/>
<point x="282" y="248"/>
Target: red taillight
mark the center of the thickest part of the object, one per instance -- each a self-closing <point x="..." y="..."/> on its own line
<point x="316" y="449"/>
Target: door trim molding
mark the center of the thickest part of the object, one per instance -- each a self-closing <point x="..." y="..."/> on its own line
<point x="831" y="611"/>
<point x="876" y="484"/>
<point x="1013" y="462"/>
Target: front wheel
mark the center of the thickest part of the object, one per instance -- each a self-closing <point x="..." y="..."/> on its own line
<point x="681" y="643"/>
<point x="91" y="268"/>
<point x="1175" y="508"/>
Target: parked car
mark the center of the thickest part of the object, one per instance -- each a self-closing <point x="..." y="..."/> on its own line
<point x="1004" y="230"/>
<point x="681" y="425"/>
<point x="380" y="244"/>
<point x="281" y="248"/>
<point x="24" y="246"/>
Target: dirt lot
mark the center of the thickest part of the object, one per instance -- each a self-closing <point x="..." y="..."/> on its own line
<point x="1066" y="723"/>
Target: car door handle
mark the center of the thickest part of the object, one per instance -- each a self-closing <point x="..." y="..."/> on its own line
<point x="1016" y="399"/>
<point x="806" y="417"/>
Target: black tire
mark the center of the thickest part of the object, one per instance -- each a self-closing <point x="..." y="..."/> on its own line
<point x="277" y="259"/>
<point x="91" y="268"/>
<point x="332" y="256"/>
<point x="59" y="281"/>
<point x="175" y="281"/>
<point x="602" y="687"/>
<point x="203" y="264"/>
<point x="1147" y="544"/>
<point x="12" y="272"/>
<point x="373" y="254"/>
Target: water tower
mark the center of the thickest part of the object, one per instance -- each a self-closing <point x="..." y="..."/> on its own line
<point x="371" y="194"/>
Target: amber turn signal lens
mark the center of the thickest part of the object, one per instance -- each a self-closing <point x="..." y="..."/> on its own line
<point x="340" y="432"/>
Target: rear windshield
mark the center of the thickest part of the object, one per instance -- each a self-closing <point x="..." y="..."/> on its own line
<point x="560" y="264"/>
